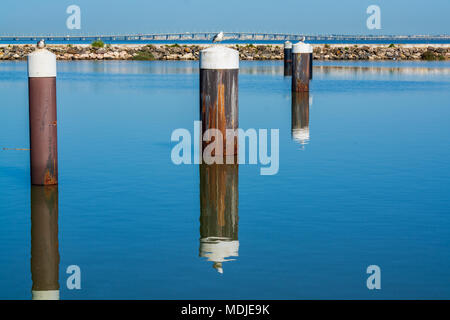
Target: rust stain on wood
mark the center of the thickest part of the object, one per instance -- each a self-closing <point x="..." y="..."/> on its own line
<point x="219" y="106"/>
<point x="43" y="131"/>
<point x="300" y="72"/>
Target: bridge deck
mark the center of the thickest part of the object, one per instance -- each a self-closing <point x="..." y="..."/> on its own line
<point x="229" y="37"/>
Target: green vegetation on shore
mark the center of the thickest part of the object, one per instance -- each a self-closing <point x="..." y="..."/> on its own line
<point x="98" y="44"/>
<point x="144" y="56"/>
<point x="432" y="56"/>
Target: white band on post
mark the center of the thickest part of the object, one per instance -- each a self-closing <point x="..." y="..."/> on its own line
<point x="41" y="64"/>
<point x="288" y="45"/>
<point x="301" y="47"/>
<point x="45" y="295"/>
<point x="219" y="57"/>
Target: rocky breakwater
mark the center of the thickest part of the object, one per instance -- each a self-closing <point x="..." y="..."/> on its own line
<point x="390" y="52"/>
<point x="246" y="52"/>
<point x="137" y="52"/>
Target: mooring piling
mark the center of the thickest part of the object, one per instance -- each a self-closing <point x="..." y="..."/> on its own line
<point x="219" y="198"/>
<point x="44" y="243"/>
<point x="219" y="71"/>
<point x="301" y="54"/>
<point x="288" y="58"/>
<point x="42" y="116"/>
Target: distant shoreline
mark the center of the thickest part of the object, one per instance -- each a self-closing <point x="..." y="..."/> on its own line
<point x="131" y="45"/>
<point x="230" y="38"/>
<point x="370" y="52"/>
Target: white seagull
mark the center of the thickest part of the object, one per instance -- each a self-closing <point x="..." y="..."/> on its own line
<point x="41" y="44"/>
<point x="218" y="37"/>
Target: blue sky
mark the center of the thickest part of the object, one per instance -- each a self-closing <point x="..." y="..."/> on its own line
<point x="294" y="16"/>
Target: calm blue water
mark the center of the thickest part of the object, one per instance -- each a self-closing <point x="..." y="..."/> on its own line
<point x="369" y="185"/>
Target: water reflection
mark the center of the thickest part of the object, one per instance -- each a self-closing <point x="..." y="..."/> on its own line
<point x="339" y="69"/>
<point x="130" y="67"/>
<point x="44" y="243"/>
<point x="379" y="70"/>
<point x="323" y="68"/>
<point x="300" y="117"/>
<point x="219" y="198"/>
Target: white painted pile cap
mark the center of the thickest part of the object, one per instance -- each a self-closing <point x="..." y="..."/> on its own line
<point x="288" y="45"/>
<point x="301" y="47"/>
<point x="219" y="57"/>
<point x="41" y="64"/>
<point x="45" y="295"/>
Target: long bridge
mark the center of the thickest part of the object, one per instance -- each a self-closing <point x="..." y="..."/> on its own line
<point x="230" y="37"/>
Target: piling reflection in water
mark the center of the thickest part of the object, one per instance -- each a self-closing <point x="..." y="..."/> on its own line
<point x="219" y="198"/>
<point x="44" y="243"/>
<point x="300" y="117"/>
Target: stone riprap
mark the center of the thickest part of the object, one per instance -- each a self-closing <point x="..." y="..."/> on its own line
<point x="246" y="52"/>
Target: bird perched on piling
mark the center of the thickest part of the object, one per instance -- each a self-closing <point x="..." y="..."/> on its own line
<point x="41" y="44"/>
<point x="218" y="37"/>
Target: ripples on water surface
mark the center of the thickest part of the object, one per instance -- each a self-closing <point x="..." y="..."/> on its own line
<point x="364" y="179"/>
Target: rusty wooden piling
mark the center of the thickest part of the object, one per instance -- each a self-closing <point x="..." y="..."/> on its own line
<point x="44" y="243"/>
<point x="219" y="71"/>
<point x="219" y="198"/>
<point x="301" y="66"/>
<point x="300" y="117"/>
<point x="288" y="58"/>
<point x="42" y="115"/>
